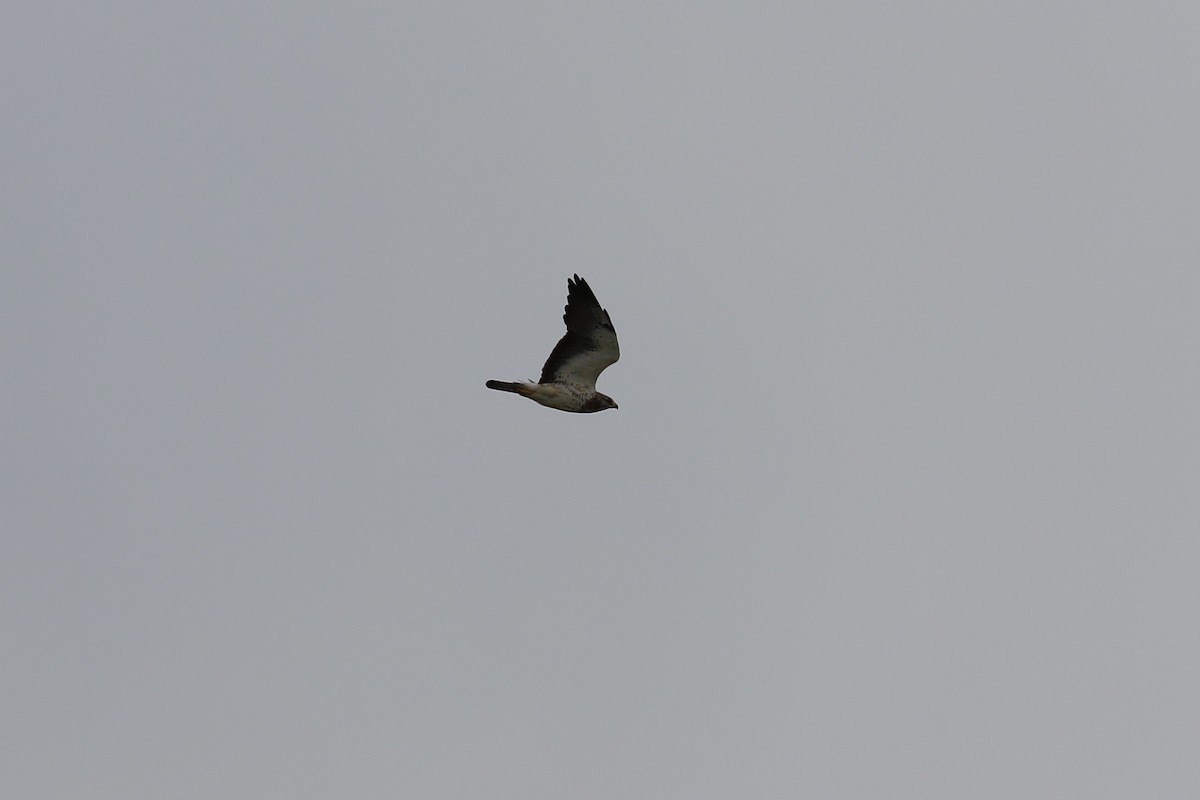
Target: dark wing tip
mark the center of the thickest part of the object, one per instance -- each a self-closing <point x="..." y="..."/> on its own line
<point x="578" y="291"/>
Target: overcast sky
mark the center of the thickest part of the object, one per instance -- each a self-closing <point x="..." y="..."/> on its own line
<point x="901" y="499"/>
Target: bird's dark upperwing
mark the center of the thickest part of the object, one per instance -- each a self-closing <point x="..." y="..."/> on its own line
<point x="590" y="344"/>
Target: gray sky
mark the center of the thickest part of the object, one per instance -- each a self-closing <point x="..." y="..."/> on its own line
<point x="900" y="500"/>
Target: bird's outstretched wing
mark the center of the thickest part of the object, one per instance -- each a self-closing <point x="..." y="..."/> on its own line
<point x="590" y="344"/>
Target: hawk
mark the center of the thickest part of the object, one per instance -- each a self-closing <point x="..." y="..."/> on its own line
<point x="568" y="380"/>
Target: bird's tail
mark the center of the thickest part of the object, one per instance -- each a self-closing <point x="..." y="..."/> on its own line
<point x="507" y="386"/>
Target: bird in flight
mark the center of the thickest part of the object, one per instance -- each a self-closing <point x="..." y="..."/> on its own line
<point x="568" y="380"/>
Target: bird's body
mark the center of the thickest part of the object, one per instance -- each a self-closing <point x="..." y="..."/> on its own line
<point x="568" y="381"/>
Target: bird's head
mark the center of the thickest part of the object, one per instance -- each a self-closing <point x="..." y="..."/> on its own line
<point x="600" y="402"/>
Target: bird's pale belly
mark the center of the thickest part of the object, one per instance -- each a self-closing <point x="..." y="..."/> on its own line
<point x="562" y="396"/>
